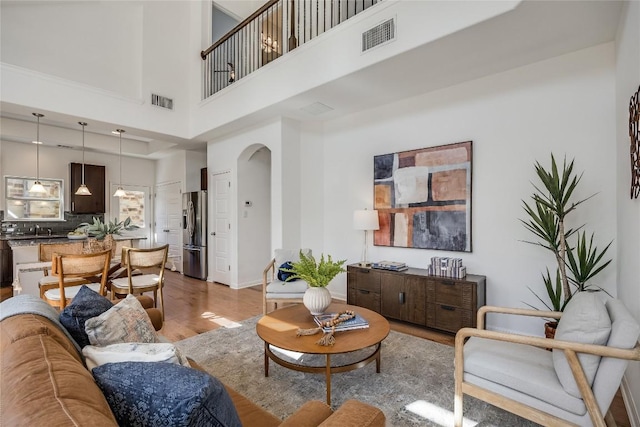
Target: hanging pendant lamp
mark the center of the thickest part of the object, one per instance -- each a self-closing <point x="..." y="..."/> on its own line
<point x="83" y="190"/>
<point x="120" y="191"/>
<point x="37" y="187"/>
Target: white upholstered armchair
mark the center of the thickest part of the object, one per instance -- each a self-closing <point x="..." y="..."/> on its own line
<point x="571" y="385"/>
<point x="277" y="291"/>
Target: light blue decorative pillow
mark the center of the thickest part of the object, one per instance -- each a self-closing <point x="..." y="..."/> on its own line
<point x="585" y="320"/>
<point x="165" y="394"/>
<point x="126" y="321"/>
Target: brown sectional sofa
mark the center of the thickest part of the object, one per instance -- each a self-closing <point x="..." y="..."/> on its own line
<point x="43" y="381"/>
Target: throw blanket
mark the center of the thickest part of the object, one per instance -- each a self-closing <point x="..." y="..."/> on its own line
<point x="31" y="304"/>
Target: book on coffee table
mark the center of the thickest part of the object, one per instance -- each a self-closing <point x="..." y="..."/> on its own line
<point x="357" y="322"/>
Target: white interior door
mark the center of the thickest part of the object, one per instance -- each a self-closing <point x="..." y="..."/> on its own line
<point x="137" y="206"/>
<point x="168" y="221"/>
<point x="221" y="226"/>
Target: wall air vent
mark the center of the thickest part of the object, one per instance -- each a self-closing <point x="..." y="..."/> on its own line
<point x="162" y="101"/>
<point x="378" y="35"/>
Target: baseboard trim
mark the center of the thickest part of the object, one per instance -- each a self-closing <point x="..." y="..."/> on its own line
<point x="247" y="284"/>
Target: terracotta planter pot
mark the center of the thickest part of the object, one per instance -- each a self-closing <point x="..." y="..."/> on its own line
<point x="550" y="330"/>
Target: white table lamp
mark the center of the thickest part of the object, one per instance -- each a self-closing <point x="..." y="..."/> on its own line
<point x="365" y="220"/>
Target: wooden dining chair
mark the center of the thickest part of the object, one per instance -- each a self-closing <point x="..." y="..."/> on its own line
<point x="151" y="262"/>
<point x="88" y="269"/>
<point x="47" y="253"/>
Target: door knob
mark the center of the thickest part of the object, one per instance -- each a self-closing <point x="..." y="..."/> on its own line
<point x="213" y="233"/>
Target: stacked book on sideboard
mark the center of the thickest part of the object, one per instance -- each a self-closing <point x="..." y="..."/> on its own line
<point x="357" y="322"/>
<point x="390" y="265"/>
<point x="447" y="267"/>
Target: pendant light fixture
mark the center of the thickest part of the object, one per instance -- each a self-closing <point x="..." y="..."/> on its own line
<point x="37" y="187"/>
<point x="83" y="190"/>
<point x="120" y="191"/>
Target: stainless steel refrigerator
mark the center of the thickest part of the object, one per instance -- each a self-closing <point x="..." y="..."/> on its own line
<point x="194" y="234"/>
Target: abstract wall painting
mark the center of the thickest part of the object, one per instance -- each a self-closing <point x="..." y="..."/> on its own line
<point x="423" y="198"/>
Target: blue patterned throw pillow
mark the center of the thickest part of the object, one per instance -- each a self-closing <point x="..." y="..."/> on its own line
<point x="86" y="304"/>
<point x="164" y="394"/>
<point x="284" y="275"/>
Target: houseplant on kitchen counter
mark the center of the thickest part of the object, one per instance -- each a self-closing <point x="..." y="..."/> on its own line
<point x="104" y="231"/>
<point x="578" y="259"/>
<point x="318" y="275"/>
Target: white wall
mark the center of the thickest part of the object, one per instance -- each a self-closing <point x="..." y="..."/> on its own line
<point x="102" y="60"/>
<point x="195" y="161"/>
<point x="628" y="210"/>
<point x="172" y="169"/>
<point x="19" y="159"/>
<point x="80" y="43"/>
<point x="563" y="105"/>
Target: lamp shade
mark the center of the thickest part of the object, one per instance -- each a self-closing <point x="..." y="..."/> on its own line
<point x="366" y="220"/>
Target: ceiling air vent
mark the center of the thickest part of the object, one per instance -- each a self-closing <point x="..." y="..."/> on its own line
<point x="162" y="101"/>
<point x="380" y="34"/>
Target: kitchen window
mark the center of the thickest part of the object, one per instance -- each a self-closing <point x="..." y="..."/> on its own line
<point x="23" y="206"/>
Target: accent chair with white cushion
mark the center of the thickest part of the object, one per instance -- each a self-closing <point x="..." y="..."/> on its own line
<point x="574" y="384"/>
<point x="280" y="291"/>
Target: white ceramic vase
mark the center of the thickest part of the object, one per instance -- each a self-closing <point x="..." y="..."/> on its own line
<point x="316" y="299"/>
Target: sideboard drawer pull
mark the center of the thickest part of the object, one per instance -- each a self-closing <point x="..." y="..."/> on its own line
<point x="448" y="308"/>
<point x="363" y="291"/>
<point x="401" y="297"/>
<point x="448" y="282"/>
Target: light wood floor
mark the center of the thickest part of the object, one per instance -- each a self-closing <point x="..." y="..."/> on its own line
<point x="194" y="306"/>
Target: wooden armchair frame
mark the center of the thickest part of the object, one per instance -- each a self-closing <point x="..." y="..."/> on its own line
<point x="135" y="283"/>
<point x="77" y="266"/>
<point x="571" y="349"/>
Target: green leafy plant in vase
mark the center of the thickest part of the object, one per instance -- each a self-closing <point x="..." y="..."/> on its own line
<point x="318" y="275"/>
<point x="578" y="260"/>
<point x="100" y="229"/>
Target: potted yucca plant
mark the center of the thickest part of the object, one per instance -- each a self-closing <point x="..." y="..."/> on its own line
<point x="578" y="259"/>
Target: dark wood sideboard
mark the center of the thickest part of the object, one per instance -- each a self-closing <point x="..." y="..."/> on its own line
<point x="416" y="297"/>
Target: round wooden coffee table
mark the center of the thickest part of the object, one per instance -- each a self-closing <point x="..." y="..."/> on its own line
<point x="279" y="328"/>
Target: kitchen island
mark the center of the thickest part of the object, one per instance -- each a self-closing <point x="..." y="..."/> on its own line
<point x="31" y="259"/>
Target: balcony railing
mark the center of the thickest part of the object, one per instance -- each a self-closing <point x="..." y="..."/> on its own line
<point x="275" y="29"/>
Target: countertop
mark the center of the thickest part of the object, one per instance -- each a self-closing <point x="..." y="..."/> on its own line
<point x="32" y="239"/>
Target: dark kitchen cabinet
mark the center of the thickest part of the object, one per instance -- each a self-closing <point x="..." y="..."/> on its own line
<point x="94" y="179"/>
<point x="203" y="179"/>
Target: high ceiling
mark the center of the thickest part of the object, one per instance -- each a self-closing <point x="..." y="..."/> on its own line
<point x="535" y="30"/>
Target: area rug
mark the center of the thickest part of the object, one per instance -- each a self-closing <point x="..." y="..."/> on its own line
<point x="414" y="388"/>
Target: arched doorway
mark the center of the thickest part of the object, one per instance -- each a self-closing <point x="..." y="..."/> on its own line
<point x="254" y="213"/>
